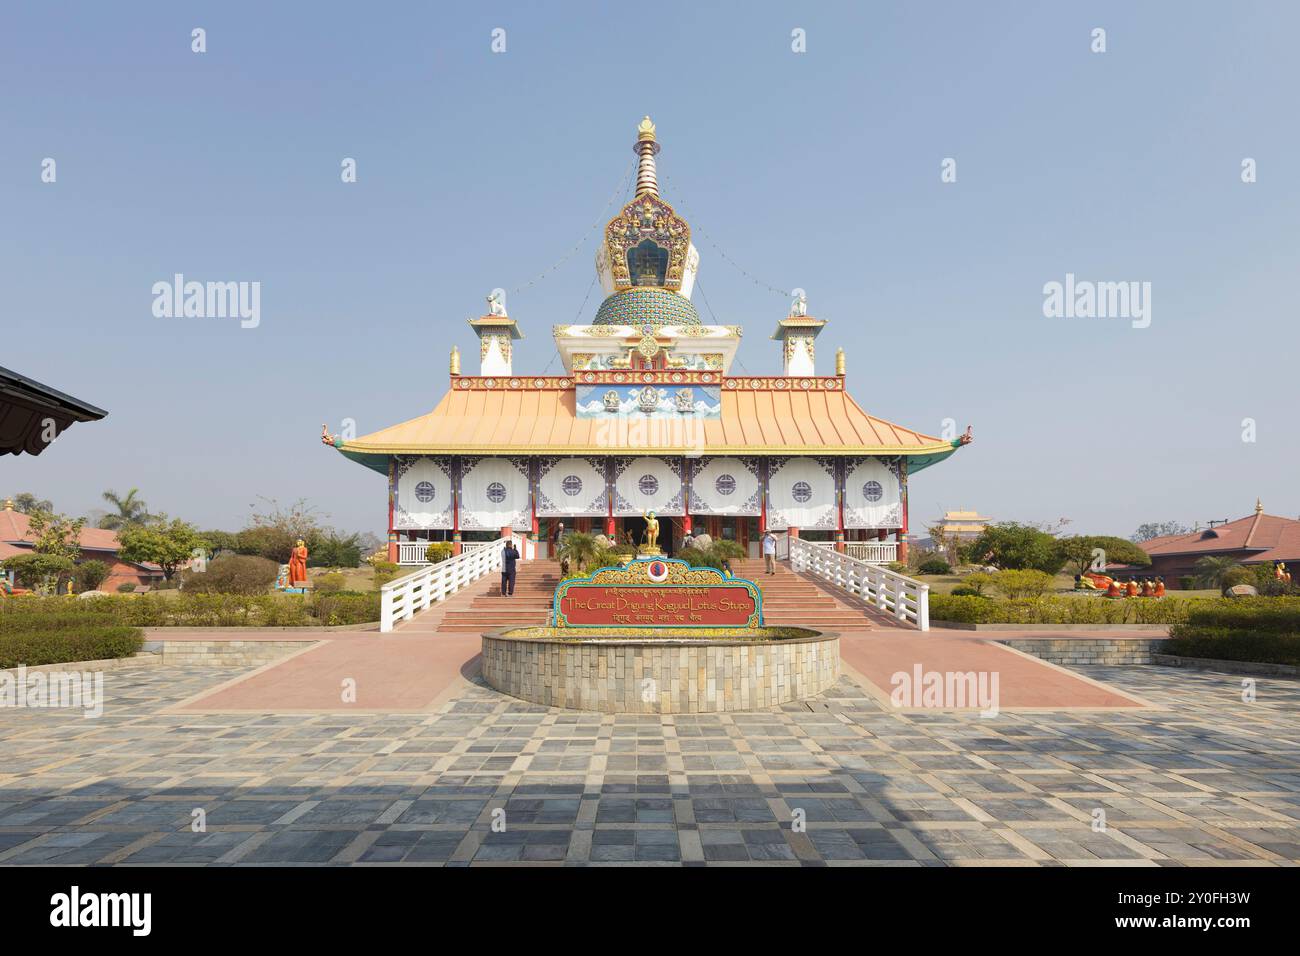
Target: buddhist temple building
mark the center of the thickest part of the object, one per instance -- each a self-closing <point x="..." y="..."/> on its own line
<point x="647" y="415"/>
<point x="962" y="525"/>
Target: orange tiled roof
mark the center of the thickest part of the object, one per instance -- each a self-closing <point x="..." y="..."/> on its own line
<point x="1272" y="538"/>
<point x="14" y="525"/>
<point x="545" y="422"/>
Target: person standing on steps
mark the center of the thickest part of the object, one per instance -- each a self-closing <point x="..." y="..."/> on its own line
<point x="769" y="552"/>
<point x="509" y="556"/>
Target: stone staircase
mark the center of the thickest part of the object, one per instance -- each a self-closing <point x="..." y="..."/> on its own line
<point x="792" y="600"/>
<point x="788" y="599"/>
<point x="535" y="583"/>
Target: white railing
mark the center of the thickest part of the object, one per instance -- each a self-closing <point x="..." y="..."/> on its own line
<point x="873" y="552"/>
<point x="891" y="593"/>
<point x="413" y="552"/>
<point x="403" y="598"/>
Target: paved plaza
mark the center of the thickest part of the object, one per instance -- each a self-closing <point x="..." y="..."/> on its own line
<point x="1201" y="778"/>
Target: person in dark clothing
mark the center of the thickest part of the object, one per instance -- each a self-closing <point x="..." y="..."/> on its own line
<point x="508" y="558"/>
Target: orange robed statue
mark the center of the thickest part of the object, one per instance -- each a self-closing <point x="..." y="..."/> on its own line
<point x="298" y="565"/>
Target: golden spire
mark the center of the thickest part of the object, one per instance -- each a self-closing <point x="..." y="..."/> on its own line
<point x="646" y="147"/>
<point x="455" y="360"/>
<point x="9" y="504"/>
<point x="839" y="362"/>
<point x="1259" y="507"/>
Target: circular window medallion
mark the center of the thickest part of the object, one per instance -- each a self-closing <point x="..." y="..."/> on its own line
<point x="731" y="383"/>
<point x="648" y="485"/>
<point x="657" y="571"/>
<point x="424" y="491"/>
<point x="831" y="383"/>
<point x="872" y="491"/>
<point x="571" y="485"/>
<point x="648" y="377"/>
<point x="780" y="383"/>
<point x="496" y="492"/>
<point x="620" y="377"/>
<point x="725" y="485"/>
<point x="801" y="491"/>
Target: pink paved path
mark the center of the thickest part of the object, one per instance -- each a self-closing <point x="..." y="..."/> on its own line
<point x="417" y="667"/>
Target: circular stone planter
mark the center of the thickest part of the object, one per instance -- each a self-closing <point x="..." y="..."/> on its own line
<point x="636" y="674"/>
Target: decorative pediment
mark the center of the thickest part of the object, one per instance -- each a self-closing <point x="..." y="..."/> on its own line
<point x="654" y="238"/>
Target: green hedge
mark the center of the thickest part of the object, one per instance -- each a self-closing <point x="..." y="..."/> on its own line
<point x="969" y="609"/>
<point x="54" y="647"/>
<point x="1232" y="644"/>
<point x="191" y="610"/>
<point x="1275" y="614"/>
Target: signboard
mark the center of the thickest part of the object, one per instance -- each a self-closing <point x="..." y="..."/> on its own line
<point x="657" y="592"/>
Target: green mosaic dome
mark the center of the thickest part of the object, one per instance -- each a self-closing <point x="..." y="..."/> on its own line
<point x="646" y="306"/>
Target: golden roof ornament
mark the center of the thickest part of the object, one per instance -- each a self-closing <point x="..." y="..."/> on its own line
<point x="645" y="130"/>
<point x="1259" y="507"/>
<point x="839" y="362"/>
<point x="646" y="146"/>
<point x="455" y="360"/>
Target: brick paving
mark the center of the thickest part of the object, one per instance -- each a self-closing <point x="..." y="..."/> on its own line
<point x="483" y="779"/>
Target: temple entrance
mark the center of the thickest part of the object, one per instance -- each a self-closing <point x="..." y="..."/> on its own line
<point x="743" y="531"/>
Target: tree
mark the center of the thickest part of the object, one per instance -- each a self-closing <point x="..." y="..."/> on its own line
<point x="273" y="534"/>
<point x="26" y="502"/>
<point x="578" y="548"/>
<point x="56" y="535"/>
<point x="40" y="571"/>
<point x="1213" y="569"/>
<point x="130" y="507"/>
<point x="1158" y="529"/>
<point x="1078" y="551"/>
<point x="166" y="544"/>
<point x="1009" y="544"/>
<point x="90" y="575"/>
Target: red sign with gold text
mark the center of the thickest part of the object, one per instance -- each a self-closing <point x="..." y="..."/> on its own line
<point x="691" y="605"/>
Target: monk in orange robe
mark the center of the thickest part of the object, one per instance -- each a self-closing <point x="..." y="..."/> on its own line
<point x="1147" y="589"/>
<point x="298" y="565"/>
<point x="1113" y="589"/>
<point x="1160" y="587"/>
<point x="1131" y="589"/>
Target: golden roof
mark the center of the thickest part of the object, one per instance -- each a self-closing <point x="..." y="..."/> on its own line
<point x="544" y="422"/>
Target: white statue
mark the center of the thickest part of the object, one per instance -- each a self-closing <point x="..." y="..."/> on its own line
<point x="497" y="302"/>
<point x="799" y="307"/>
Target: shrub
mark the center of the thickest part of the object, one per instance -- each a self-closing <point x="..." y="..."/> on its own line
<point x="332" y="610"/>
<point x="1234" y="644"/>
<point x="977" y="582"/>
<point x="1277" y="615"/>
<point x="50" y="646"/>
<point x="1187" y="582"/>
<point x="234" y="574"/>
<point x="329" y="583"/>
<point x="969" y="609"/>
<point x="1015" y="585"/>
<point x="1234" y="576"/>
<point x="963" y="591"/>
<point x="126" y="587"/>
<point x="438" y="551"/>
<point x="934" y="566"/>
<point x="90" y="575"/>
<point x="898" y="567"/>
<point x="38" y="571"/>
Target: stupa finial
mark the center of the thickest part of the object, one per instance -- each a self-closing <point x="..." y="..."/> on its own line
<point x="647" y="183"/>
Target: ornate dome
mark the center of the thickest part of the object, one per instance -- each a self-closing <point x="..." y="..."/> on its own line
<point x="646" y="306"/>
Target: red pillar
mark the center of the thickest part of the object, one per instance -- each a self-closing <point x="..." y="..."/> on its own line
<point x="392" y="536"/>
<point x="839" y="521"/>
<point x="455" y="523"/>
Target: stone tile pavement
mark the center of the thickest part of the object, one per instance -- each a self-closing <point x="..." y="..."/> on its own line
<point x="487" y="780"/>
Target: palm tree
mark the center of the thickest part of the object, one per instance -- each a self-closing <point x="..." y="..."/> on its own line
<point x="1211" y="570"/>
<point x="578" y="548"/>
<point x="131" y="510"/>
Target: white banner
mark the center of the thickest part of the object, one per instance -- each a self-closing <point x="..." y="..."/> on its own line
<point x="423" y="493"/>
<point x="571" y="486"/>
<point x="648" y="484"/>
<point x="725" y="486"/>
<point x="801" y="493"/>
<point x="494" y="494"/>
<point x="873" y="494"/>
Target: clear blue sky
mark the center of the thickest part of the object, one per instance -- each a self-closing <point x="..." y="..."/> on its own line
<point x="818" y="170"/>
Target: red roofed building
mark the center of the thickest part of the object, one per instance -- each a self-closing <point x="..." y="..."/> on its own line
<point x="1258" y="539"/>
<point x="96" y="544"/>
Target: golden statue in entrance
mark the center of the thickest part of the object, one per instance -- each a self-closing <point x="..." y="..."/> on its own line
<point x="651" y="545"/>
